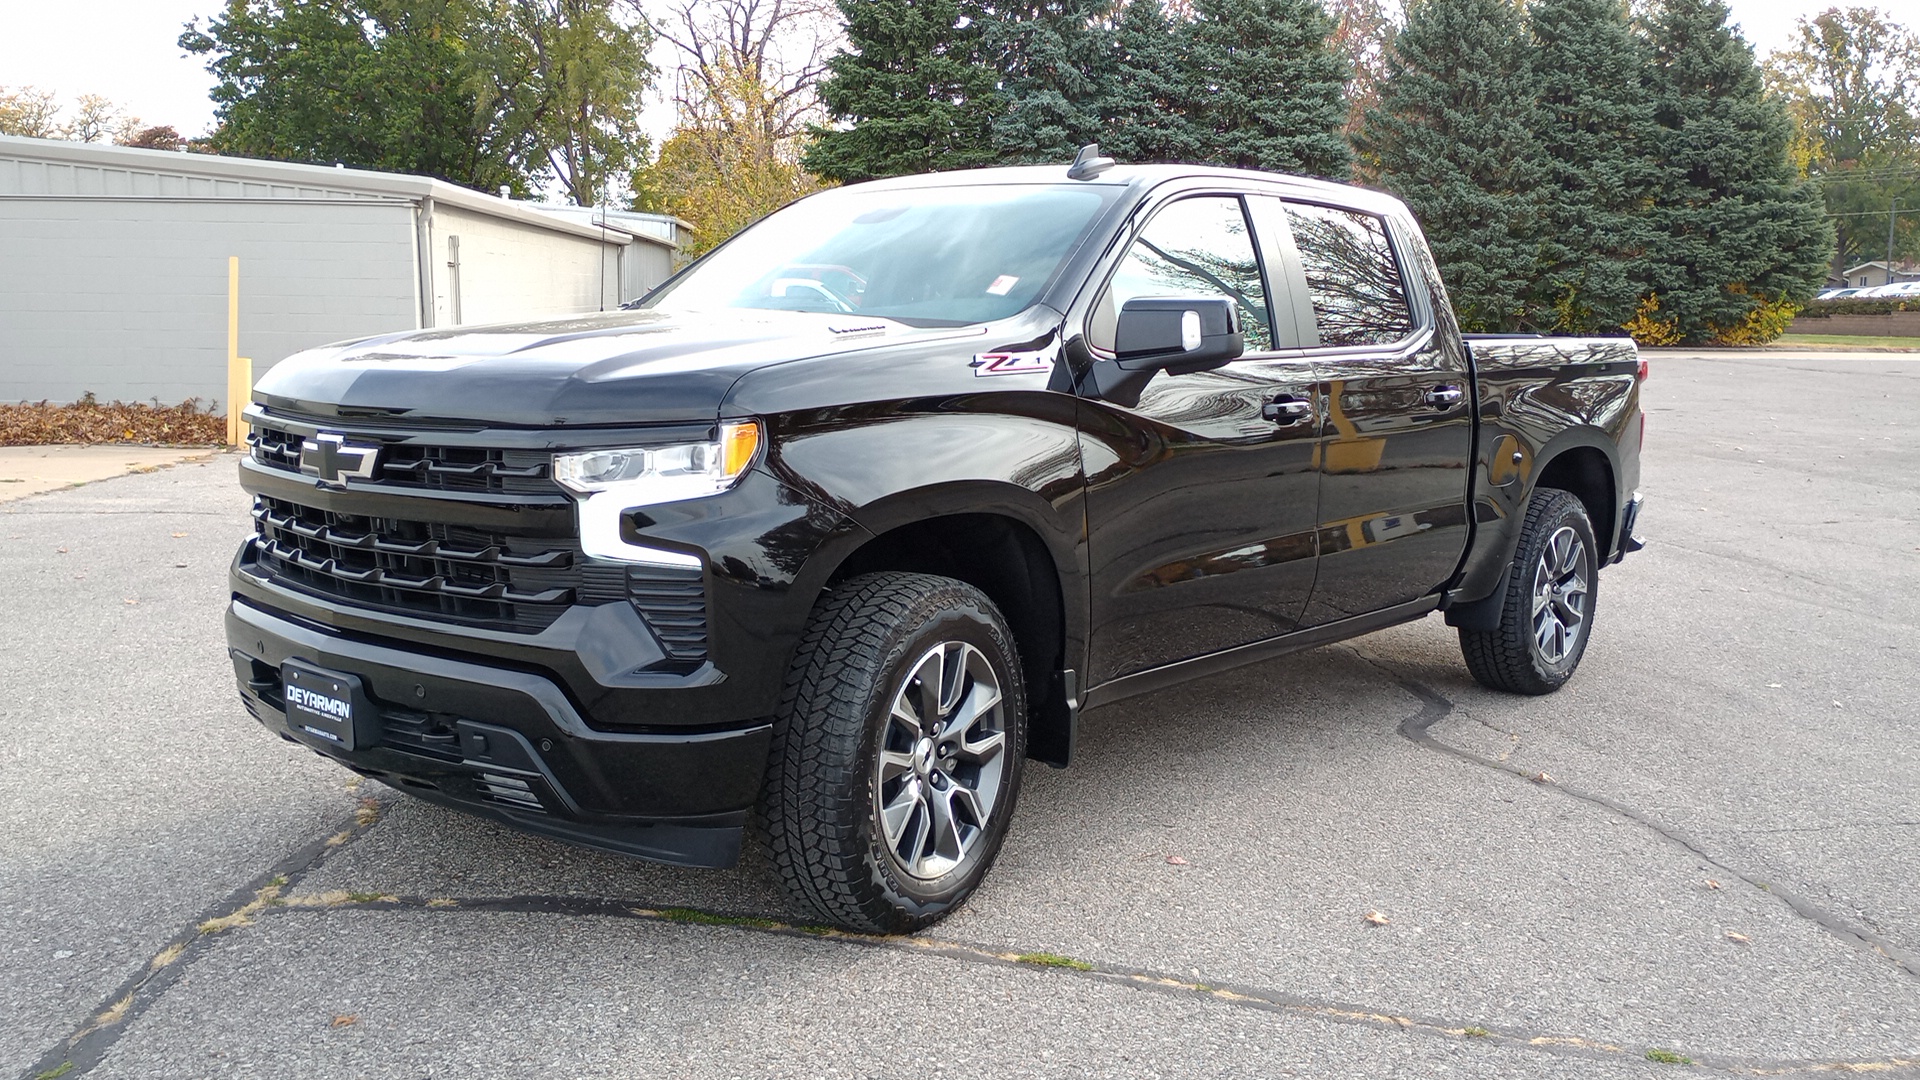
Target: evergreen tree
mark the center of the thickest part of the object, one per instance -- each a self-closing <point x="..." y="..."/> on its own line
<point x="1056" y="60"/>
<point x="1268" y="90"/>
<point x="1452" y="135"/>
<point x="910" y="89"/>
<point x="1147" y="103"/>
<point x="1598" y="133"/>
<point x="1738" y="230"/>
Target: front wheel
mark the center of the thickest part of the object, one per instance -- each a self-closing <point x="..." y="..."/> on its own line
<point x="897" y="752"/>
<point x="1546" y="617"/>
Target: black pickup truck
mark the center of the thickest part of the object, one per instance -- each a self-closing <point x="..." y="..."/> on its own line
<point x="846" y="522"/>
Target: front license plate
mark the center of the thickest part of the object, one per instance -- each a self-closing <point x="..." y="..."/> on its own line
<point x="324" y="707"/>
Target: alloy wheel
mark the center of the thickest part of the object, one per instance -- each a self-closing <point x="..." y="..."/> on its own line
<point x="940" y="766"/>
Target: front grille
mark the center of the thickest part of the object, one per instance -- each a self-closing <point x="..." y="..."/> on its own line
<point x="427" y="468"/>
<point x="453" y="573"/>
<point x="427" y="568"/>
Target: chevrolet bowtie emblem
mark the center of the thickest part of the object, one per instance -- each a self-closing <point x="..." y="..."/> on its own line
<point x="334" y="460"/>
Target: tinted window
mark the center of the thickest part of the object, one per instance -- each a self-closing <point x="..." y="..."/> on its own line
<point x="933" y="255"/>
<point x="1195" y="247"/>
<point x="1358" y="295"/>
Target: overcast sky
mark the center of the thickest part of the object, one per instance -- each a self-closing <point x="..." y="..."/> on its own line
<point x="128" y="51"/>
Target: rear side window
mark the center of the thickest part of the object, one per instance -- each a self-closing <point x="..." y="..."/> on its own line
<point x="1359" y="295"/>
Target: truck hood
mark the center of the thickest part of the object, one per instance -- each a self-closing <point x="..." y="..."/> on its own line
<point x="612" y="369"/>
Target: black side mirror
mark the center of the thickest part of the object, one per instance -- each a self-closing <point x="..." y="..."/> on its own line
<point x="1178" y="334"/>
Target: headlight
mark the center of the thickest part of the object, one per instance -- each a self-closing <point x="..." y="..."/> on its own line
<point x="608" y="483"/>
<point x="663" y="473"/>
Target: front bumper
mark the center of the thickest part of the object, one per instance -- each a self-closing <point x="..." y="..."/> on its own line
<point x="510" y="745"/>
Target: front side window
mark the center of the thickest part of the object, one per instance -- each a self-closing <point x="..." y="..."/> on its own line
<point x="1195" y="247"/>
<point x="929" y="256"/>
<point x="1359" y="297"/>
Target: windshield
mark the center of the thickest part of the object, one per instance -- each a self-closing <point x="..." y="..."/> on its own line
<point x="925" y="255"/>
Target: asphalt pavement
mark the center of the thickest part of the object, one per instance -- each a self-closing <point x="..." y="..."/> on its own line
<point x="1702" y="850"/>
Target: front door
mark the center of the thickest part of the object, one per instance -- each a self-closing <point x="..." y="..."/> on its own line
<point x="1201" y="499"/>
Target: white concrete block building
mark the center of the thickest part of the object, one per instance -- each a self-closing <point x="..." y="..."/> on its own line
<point x="113" y="264"/>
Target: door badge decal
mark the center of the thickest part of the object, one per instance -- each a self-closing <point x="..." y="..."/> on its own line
<point x="1013" y="363"/>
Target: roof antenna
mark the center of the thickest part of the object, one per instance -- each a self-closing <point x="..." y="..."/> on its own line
<point x="1089" y="164"/>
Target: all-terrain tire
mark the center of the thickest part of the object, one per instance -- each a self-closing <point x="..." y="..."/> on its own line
<point x="865" y="650"/>
<point x="1535" y="650"/>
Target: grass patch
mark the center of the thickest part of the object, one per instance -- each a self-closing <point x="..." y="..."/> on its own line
<point x="1857" y="340"/>
<point x="1047" y="959"/>
<point x="87" y="421"/>
<point x="1668" y="1057"/>
<point x="708" y="918"/>
<point x="1476" y="1033"/>
<point x="65" y="1068"/>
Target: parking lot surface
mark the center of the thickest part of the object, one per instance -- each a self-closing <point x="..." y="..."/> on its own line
<point x="1703" y="849"/>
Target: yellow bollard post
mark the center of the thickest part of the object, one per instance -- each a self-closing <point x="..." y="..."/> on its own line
<point x="239" y="368"/>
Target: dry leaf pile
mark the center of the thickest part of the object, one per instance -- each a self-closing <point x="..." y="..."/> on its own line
<point x="88" y="421"/>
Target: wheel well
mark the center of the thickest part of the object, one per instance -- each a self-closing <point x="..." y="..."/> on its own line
<point x="1585" y="472"/>
<point x="1008" y="561"/>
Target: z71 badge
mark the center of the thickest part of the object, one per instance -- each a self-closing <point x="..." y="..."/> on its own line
<point x="1013" y="363"/>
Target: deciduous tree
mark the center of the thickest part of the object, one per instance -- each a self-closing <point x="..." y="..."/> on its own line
<point x="1851" y="81"/>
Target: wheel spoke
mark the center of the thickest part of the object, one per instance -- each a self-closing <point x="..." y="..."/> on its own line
<point x="904" y="715"/>
<point x="931" y="674"/>
<point x="912" y="846"/>
<point x="894" y="815"/>
<point x="894" y="763"/>
<point x="947" y="842"/>
<point x="953" y="676"/>
<point x="984" y="749"/>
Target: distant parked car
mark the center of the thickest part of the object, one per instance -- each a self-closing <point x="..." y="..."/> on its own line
<point x="1838" y="294"/>
<point x="1899" y="290"/>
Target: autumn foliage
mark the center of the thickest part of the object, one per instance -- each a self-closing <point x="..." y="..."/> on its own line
<point x="88" y="421"/>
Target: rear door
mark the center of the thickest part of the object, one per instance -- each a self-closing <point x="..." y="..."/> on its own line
<point x="1398" y="423"/>
<point x="1201" y="497"/>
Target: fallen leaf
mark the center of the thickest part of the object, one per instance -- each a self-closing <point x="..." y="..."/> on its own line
<point x="133" y="600"/>
<point x="346" y="1021"/>
<point x="178" y="536"/>
<point x="1712" y="884"/>
<point x="1739" y="939"/>
<point x="1175" y="860"/>
<point x="62" y="551"/>
<point x="1542" y="777"/>
<point x="1374" y="918"/>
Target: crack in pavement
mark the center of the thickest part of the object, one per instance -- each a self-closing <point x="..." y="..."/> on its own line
<point x="1436" y="707"/>
<point x="266" y="894"/>
<point x="1256" y="998"/>
<point x="81" y="1051"/>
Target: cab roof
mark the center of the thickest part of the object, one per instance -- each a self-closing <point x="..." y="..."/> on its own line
<point x="1142" y="178"/>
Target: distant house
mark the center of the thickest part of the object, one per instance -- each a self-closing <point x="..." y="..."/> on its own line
<point x="113" y="264"/>
<point x="1876" y="273"/>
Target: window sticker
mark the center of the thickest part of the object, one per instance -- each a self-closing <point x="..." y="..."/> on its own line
<point x="1002" y="285"/>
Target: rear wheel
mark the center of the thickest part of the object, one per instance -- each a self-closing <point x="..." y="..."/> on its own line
<point x="897" y="752"/>
<point x="1547" y="614"/>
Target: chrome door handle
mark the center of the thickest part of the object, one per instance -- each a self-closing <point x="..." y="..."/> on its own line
<point x="1445" y="397"/>
<point x="1286" y="409"/>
